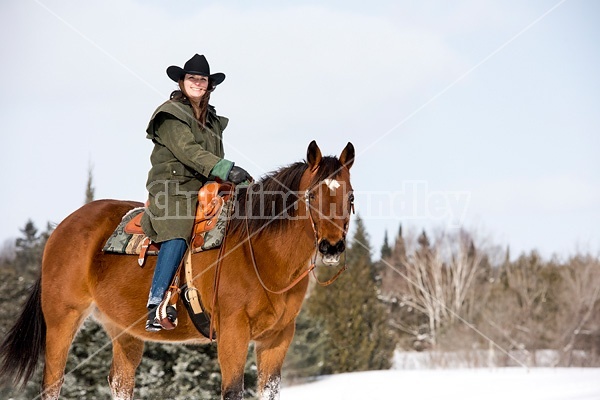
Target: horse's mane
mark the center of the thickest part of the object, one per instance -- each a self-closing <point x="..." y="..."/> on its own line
<point x="271" y="202"/>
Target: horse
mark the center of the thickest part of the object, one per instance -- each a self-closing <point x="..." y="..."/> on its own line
<point x="282" y="223"/>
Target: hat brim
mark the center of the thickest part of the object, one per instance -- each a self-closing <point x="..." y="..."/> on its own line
<point x="177" y="73"/>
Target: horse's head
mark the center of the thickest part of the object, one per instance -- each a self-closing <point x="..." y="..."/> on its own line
<point x="329" y="200"/>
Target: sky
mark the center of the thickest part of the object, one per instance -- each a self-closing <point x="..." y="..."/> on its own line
<point x="473" y="114"/>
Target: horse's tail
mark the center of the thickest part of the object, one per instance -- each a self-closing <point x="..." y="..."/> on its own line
<point x="25" y="342"/>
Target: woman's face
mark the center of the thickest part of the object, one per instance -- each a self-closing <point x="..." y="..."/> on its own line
<point x="195" y="86"/>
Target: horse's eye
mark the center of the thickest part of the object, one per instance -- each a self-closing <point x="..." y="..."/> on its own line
<point x="311" y="196"/>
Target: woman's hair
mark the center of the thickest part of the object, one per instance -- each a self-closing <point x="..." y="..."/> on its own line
<point x="201" y="109"/>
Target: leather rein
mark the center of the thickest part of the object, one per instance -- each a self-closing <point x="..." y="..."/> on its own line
<point x="311" y="267"/>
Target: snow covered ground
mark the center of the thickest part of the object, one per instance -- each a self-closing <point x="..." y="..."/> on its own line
<point x="450" y="384"/>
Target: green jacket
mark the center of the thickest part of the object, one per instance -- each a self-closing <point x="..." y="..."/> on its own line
<point x="184" y="154"/>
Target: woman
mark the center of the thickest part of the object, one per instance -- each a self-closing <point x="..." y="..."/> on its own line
<point x="188" y="151"/>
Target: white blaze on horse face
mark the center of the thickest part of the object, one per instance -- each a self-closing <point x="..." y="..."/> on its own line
<point x="332" y="184"/>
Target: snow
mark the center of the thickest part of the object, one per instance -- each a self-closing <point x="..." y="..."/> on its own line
<point x="449" y="384"/>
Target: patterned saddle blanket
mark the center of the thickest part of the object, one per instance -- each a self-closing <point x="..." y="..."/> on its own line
<point x="215" y="205"/>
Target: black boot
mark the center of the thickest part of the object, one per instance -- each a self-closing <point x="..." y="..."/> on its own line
<point x="152" y="323"/>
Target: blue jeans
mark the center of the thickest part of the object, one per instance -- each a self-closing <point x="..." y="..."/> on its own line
<point x="170" y="255"/>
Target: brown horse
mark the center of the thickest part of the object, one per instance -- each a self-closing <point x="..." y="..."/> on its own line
<point x="281" y="224"/>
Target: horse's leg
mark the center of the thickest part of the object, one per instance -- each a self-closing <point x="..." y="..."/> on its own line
<point x="127" y="354"/>
<point x="270" y="353"/>
<point x="233" y="351"/>
<point x="62" y="322"/>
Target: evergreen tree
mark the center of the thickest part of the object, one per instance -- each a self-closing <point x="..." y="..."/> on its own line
<point x="386" y="250"/>
<point x="399" y="250"/>
<point x="29" y="247"/>
<point x="306" y="355"/>
<point x="90" y="189"/>
<point x="356" y="332"/>
<point x="423" y="241"/>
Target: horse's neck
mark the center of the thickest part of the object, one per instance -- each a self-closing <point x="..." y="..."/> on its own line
<point x="286" y="254"/>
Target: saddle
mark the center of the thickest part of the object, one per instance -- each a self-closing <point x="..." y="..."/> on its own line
<point x="211" y="199"/>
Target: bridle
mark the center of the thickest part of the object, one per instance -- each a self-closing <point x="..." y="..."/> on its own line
<point x="313" y="262"/>
<point x="311" y="267"/>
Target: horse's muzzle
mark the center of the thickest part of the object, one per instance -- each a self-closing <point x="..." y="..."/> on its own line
<point x="330" y="254"/>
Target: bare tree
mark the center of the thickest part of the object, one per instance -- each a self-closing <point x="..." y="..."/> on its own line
<point x="440" y="284"/>
<point x="521" y="315"/>
<point x="580" y="297"/>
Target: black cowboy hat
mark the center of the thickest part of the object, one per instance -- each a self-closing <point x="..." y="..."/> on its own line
<point x="196" y="65"/>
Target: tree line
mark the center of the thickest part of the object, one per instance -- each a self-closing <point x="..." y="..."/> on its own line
<point x="451" y="294"/>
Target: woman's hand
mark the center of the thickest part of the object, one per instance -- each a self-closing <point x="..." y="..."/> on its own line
<point x="238" y="175"/>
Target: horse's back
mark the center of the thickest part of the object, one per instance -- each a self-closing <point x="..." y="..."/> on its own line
<point x="78" y="240"/>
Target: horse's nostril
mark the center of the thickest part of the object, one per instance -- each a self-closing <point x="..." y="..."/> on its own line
<point x="327" y="248"/>
<point x="324" y="247"/>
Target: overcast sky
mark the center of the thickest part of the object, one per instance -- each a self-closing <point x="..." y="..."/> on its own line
<point x="473" y="113"/>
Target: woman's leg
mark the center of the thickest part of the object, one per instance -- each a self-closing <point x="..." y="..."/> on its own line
<point x="170" y="255"/>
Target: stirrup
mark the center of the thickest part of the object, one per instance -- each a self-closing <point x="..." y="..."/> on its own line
<point x="166" y="316"/>
<point x="166" y="313"/>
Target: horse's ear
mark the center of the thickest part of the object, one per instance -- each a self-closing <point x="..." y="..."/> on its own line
<point x="347" y="156"/>
<point x="313" y="155"/>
